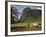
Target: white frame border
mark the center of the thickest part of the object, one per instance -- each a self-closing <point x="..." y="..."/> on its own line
<point x="27" y="32"/>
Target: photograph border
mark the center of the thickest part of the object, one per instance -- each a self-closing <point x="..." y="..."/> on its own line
<point x="6" y="18"/>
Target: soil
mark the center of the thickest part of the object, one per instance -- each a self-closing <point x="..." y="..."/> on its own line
<point x="16" y="29"/>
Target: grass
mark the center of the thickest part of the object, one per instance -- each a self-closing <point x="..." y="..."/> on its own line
<point x="24" y="27"/>
<point x="23" y="24"/>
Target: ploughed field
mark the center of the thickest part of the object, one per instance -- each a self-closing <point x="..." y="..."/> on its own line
<point x="25" y="27"/>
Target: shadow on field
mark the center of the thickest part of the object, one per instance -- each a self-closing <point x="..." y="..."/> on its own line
<point x="16" y="29"/>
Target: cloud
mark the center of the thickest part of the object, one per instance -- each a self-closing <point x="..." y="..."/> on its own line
<point x="39" y="8"/>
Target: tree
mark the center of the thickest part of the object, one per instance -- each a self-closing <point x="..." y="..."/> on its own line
<point x="27" y="11"/>
<point x="14" y="14"/>
<point x="26" y="14"/>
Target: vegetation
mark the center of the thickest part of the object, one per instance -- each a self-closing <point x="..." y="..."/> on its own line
<point x="14" y="15"/>
<point x="28" y="16"/>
